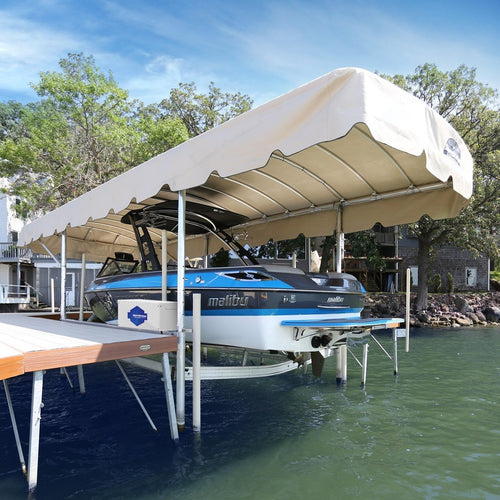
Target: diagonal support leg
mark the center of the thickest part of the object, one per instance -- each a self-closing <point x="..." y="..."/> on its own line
<point x="14" y="427"/>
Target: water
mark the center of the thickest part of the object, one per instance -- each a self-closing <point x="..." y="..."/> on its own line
<point x="432" y="432"/>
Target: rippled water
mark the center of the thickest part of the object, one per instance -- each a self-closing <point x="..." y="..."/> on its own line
<point x="432" y="432"/>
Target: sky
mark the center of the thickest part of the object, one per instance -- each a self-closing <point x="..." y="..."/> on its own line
<point x="259" y="48"/>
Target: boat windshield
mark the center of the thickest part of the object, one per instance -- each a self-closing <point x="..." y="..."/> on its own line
<point x="114" y="266"/>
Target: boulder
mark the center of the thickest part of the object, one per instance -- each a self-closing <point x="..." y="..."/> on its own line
<point x="473" y="317"/>
<point x="462" y="305"/>
<point x="492" y="314"/>
<point x="480" y="316"/>
<point x="462" y="321"/>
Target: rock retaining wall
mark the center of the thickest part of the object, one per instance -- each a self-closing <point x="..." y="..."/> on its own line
<point x="446" y="310"/>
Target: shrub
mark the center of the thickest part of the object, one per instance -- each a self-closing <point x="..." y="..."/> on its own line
<point x="449" y="283"/>
<point x="436" y="283"/>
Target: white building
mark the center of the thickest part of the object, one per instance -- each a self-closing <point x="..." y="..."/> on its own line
<point x="26" y="278"/>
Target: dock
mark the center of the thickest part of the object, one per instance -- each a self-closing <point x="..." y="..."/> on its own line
<point x="36" y="343"/>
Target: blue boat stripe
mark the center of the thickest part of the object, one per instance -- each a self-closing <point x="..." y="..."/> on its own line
<point x="274" y="312"/>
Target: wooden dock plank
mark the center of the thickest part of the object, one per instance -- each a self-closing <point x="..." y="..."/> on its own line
<point x="81" y="355"/>
<point x="29" y="343"/>
<point x="11" y="362"/>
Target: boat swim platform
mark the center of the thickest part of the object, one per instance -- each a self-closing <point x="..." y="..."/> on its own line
<point x="346" y="324"/>
<point x="34" y="343"/>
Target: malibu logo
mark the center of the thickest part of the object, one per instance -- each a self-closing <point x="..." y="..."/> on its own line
<point x="228" y="301"/>
<point x="335" y="299"/>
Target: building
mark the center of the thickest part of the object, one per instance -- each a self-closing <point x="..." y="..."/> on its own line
<point x="469" y="273"/>
<point x="27" y="279"/>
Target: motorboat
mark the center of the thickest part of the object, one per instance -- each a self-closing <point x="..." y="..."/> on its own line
<point x="265" y="307"/>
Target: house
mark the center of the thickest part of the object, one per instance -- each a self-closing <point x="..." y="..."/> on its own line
<point x="400" y="251"/>
<point x="26" y="278"/>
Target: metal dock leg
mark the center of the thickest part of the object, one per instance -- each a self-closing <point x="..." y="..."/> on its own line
<point x="81" y="379"/>
<point x="365" y="365"/>
<point x="169" y="394"/>
<point x="395" y="356"/>
<point x="342" y="364"/>
<point x="196" y="362"/>
<point x="36" y="415"/>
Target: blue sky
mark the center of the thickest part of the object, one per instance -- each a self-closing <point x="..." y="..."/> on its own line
<point x="260" y="48"/>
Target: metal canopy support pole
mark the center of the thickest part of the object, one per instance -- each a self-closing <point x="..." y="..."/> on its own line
<point x="36" y="415"/>
<point x="79" y="368"/>
<point x="205" y="256"/>
<point x="82" y="287"/>
<point x="164" y="258"/>
<point x="52" y="296"/>
<point x="169" y="395"/>
<point x="181" y="359"/>
<point x="395" y="356"/>
<point x="339" y="253"/>
<point x="14" y="427"/>
<point x="63" y="275"/>
<point x="308" y="253"/>
<point x="196" y="362"/>
<point x="396" y="254"/>
<point x="407" y="313"/>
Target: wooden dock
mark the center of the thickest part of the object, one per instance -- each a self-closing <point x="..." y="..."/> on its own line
<point x="35" y="343"/>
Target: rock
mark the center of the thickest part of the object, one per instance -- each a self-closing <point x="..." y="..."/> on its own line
<point x="423" y="317"/>
<point x="462" y="321"/>
<point x="473" y="317"/>
<point x="492" y="314"/>
<point x="480" y="316"/>
<point x="462" y="305"/>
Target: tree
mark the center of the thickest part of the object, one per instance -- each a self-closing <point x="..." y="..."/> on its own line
<point x="83" y="132"/>
<point x="472" y="109"/>
<point x="201" y="112"/>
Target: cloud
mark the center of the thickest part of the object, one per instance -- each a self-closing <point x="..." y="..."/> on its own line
<point x="26" y="48"/>
<point x="158" y="76"/>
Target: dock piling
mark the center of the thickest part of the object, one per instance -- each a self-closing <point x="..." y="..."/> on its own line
<point x="36" y="416"/>
<point x="196" y="362"/>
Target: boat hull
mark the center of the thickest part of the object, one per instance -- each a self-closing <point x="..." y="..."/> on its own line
<point x="248" y="313"/>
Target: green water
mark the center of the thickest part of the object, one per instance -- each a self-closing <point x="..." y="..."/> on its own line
<point x="431" y="432"/>
<point x="434" y="432"/>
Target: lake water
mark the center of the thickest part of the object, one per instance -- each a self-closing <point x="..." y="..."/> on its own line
<point x="431" y="432"/>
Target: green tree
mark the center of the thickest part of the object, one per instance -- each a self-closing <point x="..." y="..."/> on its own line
<point x="201" y="112"/>
<point x="472" y="109"/>
<point x="83" y="132"/>
<point x="12" y="120"/>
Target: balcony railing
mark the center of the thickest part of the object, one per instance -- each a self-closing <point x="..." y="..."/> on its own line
<point x="15" y="294"/>
<point x="11" y="252"/>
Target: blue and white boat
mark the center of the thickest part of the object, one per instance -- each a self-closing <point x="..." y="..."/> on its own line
<point x="265" y="307"/>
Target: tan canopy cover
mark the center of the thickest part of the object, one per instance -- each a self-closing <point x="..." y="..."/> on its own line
<point x="348" y="141"/>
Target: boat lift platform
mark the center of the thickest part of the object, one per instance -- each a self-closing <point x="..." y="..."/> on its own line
<point x="35" y="343"/>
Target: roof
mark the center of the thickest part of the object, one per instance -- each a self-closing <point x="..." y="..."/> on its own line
<point x="348" y="141"/>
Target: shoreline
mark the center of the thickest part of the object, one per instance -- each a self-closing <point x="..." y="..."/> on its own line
<point x="445" y="310"/>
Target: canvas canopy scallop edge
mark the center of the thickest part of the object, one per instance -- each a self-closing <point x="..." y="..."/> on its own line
<point x="348" y="141"/>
